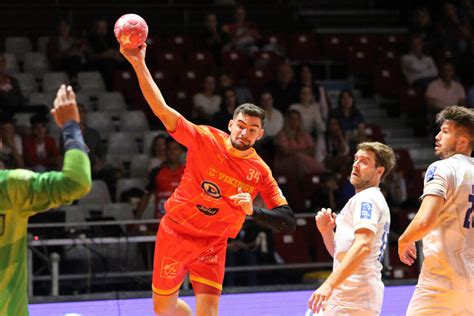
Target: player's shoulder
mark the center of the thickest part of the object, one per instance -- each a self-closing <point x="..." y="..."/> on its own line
<point x="372" y="194"/>
<point x="448" y="166"/>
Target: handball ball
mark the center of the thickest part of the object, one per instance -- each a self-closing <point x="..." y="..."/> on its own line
<point x="131" y="30"/>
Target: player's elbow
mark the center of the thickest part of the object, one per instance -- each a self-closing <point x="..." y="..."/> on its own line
<point x="78" y="188"/>
<point x="289" y="223"/>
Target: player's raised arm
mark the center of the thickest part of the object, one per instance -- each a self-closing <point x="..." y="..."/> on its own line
<point x="151" y="92"/>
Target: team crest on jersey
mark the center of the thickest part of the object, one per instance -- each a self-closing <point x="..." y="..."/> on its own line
<point x="430" y="173"/>
<point x="170" y="268"/>
<point x="211" y="189"/>
<point x="366" y="210"/>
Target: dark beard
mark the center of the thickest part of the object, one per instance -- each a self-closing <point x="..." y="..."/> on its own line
<point x="242" y="147"/>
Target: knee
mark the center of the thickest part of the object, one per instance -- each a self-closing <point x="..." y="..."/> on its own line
<point x="161" y="309"/>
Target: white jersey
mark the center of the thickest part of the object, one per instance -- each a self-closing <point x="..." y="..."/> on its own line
<point x="364" y="288"/>
<point x="449" y="247"/>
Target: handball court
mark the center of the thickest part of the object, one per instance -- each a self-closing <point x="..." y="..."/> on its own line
<point x="396" y="300"/>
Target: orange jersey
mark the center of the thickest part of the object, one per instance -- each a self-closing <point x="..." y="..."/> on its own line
<point x="214" y="172"/>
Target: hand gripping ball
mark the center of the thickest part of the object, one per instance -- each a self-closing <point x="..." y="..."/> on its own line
<point x="131" y="30"/>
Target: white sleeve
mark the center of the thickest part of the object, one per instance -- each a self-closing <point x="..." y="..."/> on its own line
<point x="366" y="214"/>
<point x="436" y="180"/>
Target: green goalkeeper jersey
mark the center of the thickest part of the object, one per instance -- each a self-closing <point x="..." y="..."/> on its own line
<point x="24" y="193"/>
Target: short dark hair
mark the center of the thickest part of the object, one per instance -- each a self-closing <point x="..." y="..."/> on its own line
<point x="462" y="117"/>
<point x="384" y="155"/>
<point x="39" y="118"/>
<point x="251" y="110"/>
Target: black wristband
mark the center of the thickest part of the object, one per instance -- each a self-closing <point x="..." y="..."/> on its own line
<point x="73" y="138"/>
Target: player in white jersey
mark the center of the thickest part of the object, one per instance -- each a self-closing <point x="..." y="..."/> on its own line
<point x="355" y="286"/>
<point x="445" y="222"/>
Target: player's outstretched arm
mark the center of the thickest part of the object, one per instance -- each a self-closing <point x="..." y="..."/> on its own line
<point x="167" y="115"/>
<point x="34" y="192"/>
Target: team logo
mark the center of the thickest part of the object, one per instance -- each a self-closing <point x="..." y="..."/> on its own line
<point x="366" y="210"/>
<point x="170" y="268"/>
<point x="430" y="173"/>
<point x="211" y="189"/>
<point x="207" y="211"/>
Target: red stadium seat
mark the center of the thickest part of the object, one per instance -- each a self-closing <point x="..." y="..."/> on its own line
<point x="334" y="47"/>
<point x="392" y="41"/>
<point x="292" y="247"/>
<point x="364" y="42"/>
<point x="415" y="184"/>
<point x="360" y="62"/>
<point x="126" y="82"/>
<point x="165" y="79"/>
<point x="302" y="47"/>
<point x="412" y="101"/>
<point x="170" y="61"/>
<point x="267" y="60"/>
<point x="202" y="61"/>
<point x="257" y="79"/>
<point x="374" y="132"/>
<point x="404" y="162"/>
<point x="180" y="43"/>
<point x="191" y="81"/>
<point x="236" y="63"/>
<point x="388" y="57"/>
<point x="387" y="81"/>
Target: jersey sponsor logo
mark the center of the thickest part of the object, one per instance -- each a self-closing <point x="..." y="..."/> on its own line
<point x="366" y="210"/>
<point x="211" y="189"/>
<point x="236" y="183"/>
<point x="170" y="268"/>
<point x="430" y="173"/>
<point x="2" y="224"/>
<point x="207" y="211"/>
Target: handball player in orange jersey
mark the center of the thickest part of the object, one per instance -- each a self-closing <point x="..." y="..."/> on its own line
<point x="222" y="177"/>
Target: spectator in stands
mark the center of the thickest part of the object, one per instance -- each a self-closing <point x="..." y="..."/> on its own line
<point x="157" y="151"/>
<point x="284" y="88"/>
<point x="445" y="91"/>
<point x="40" y="150"/>
<point x="295" y="149"/>
<point x="273" y="118"/>
<point x="419" y="69"/>
<point x="206" y="103"/>
<point x="396" y="187"/>
<point x="11" y="153"/>
<point x="350" y="118"/>
<point x="163" y="180"/>
<point x="11" y="97"/>
<point x="332" y="148"/>
<point x="310" y="111"/>
<point x="103" y="51"/>
<point x="242" y="93"/>
<point x="273" y="124"/>
<point x="307" y="79"/>
<point x="454" y="32"/>
<point x="244" y="34"/>
<point x="65" y="52"/>
<point x="212" y="38"/>
<point x="423" y="27"/>
<point x="226" y="113"/>
<point x="326" y="195"/>
<point x="100" y="167"/>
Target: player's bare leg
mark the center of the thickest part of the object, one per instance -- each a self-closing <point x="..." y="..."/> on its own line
<point x="170" y="305"/>
<point x="207" y="304"/>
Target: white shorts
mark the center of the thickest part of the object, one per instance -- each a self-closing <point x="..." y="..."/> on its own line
<point x="333" y="310"/>
<point x="434" y="301"/>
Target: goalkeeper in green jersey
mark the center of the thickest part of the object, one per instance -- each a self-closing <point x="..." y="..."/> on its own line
<point x="24" y="193"/>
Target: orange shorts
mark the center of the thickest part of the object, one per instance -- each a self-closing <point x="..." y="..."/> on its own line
<point x="177" y="253"/>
